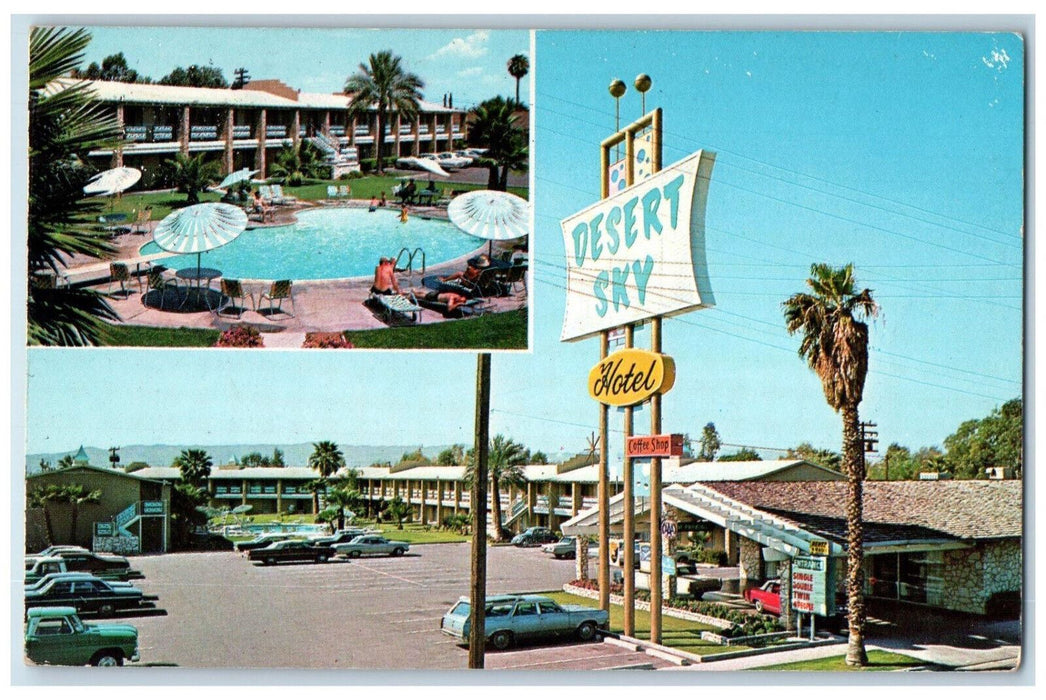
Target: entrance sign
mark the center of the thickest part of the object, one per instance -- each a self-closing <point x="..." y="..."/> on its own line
<point x="811" y="592"/>
<point x="654" y="445"/>
<point x="639" y="253"/>
<point x="631" y="376"/>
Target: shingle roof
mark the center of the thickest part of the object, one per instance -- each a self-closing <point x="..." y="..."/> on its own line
<point x="893" y="510"/>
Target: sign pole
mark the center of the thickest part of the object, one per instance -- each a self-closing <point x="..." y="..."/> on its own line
<point x="604" y="493"/>
<point x="655" y="500"/>
<point x="478" y="506"/>
<point x="629" y="536"/>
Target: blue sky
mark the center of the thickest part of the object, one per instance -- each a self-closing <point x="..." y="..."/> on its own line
<point x="468" y="63"/>
<point x="899" y="152"/>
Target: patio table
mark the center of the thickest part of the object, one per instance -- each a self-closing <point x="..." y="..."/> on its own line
<point x="198" y="275"/>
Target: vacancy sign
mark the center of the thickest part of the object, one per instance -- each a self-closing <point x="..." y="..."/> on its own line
<point x="639" y="253"/>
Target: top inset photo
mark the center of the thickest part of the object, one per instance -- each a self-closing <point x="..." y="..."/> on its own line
<point x="279" y="188"/>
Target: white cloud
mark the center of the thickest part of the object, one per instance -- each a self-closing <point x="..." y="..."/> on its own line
<point x="472" y="46"/>
<point x="470" y="72"/>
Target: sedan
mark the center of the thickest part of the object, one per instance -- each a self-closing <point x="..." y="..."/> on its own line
<point x="565" y="548"/>
<point x="766" y="598"/>
<point x="339" y="537"/>
<point x="291" y="550"/>
<point x="260" y="541"/>
<point x="512" y="618"/>
<point x="534" y="536"/>
<point x="103" y="565"/>
<point x="372" y="544"/>
<point x="87" y="595"/>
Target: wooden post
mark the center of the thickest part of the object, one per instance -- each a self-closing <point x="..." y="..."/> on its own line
<point x="655" y="501"/>
<point x="629" y="524"/>
<point x="477" y="636"/>
<point x="604" y="494"/>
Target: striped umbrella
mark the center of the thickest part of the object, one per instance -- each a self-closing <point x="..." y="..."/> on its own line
<point x="491" y="215"/>
<point x="200" y="228"/>
<point x="113" y="181"/>
<point x="236" y="176"/>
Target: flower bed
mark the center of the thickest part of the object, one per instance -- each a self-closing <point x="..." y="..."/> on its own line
<point x="326" y="341"/>
<point x="240" y="337"/>
<point x="751" y="640"/>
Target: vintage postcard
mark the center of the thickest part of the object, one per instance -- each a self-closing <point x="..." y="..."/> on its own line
<point x="754" y="427"/>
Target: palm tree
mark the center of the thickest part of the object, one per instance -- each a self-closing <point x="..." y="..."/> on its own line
<point x="44" y="497"/>
<point x="294" y="165"/>
<point x="65" y="124"/>
<point x="326" y="458"/>
<point x="315" y="486"/>
<point x="191" y="174"/>
<point x="383" y="85"/>
<point x="398" y="509"/>
<point x="341" y="499"/>
<point x="195" y="466"/>
<point x="77" y="495"/>
<point x="518" y="66"/>
<point x="835" y="345"/>
<point x="495" y="127"/>
<point x="504" y="466"/>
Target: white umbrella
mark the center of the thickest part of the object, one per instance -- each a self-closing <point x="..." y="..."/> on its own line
<point x="491" y="215"/>
<point x="113" y="181"/>
<point x="431" y="166"/>
<point x="200" y="228"/>
<point x="236" y="176"/>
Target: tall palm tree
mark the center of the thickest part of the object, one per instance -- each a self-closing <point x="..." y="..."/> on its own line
<point x="43" y="497"/>
<point x="835" y="345"/>
<point x="341" y="499"/>
<point x="518" y="66"/>
<point x="326" y="458"/>
<point x="315" y="486"/>
<point x="495" y="127"/>
<point x="65" y="124"/>
<point x="505" y="462"/>
<point x="384" y="85"/>
<point x="295" y="165"/>
<point x="77" y="495"/>
<point x="191" y="174"/>
<point x="195" y="466"/>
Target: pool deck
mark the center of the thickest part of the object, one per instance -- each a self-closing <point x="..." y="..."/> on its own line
<point x="319" y="305"/>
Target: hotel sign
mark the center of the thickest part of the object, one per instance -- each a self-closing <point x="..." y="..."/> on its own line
<point x="811" y="592"/>
<point x="631" y="376"/>
<point x="639" y="253"/>
<point x="654" y="445"/>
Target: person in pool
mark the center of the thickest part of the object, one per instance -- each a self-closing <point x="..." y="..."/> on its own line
<point x="385" y="278"/>
<point x="471" y="272"/>
<point x="403" y="214"/>
<point x="373" y="204"/>
<point x="384" y="201"/>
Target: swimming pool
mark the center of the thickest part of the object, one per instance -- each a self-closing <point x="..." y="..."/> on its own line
<point x="330" y="243"/>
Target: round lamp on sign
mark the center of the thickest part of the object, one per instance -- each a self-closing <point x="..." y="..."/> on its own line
<point x="643" y="84"/>
<point x="617" y="88"/>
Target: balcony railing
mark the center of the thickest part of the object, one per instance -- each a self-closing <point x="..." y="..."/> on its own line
<point x="241" y="131"/>
<point x="203" y="133"/>
<point x="145" y="133"/>
<point x="361" y="131"/>
<point x="338" y="131"/>
<point x="275" y="132"/>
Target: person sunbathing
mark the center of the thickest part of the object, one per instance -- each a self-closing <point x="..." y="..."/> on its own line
<point x="385" y="278"/>
<point x="451" y="299"/>
<point x="471" y="272"/>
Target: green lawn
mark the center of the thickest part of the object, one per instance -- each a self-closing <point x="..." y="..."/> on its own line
<point x="146" y="336"/>
<point x="877" y="661"/>
<point x="676" y="633"/>
<point x="506" y="330"/>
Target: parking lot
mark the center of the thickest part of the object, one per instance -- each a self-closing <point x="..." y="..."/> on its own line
<point x="370" y="613"/>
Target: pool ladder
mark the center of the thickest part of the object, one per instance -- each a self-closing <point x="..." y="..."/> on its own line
<point x="411" y="255"/>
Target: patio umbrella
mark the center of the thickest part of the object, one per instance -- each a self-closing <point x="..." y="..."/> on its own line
<point x="200" y="228"/>
<point x="236" y="177"/>
<point x="431" y="166"/>
<point x="113" y="181"/>
<point x="491" y="215"/>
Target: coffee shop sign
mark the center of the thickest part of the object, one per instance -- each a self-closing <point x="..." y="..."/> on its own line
<point x="631" y="376"/>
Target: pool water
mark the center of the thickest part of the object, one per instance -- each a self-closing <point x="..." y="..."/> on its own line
<point x="330" y="244"/>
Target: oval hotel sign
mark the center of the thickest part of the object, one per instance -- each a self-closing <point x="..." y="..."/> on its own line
<point x="631" y="376"/>
<point x="639" y="253"/>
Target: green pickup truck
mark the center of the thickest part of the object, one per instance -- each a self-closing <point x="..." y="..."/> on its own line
<point x="57" y="636"/>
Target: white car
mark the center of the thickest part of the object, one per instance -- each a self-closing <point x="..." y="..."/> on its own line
<point x="449" y="161"/>
<point x="371" y="544"/>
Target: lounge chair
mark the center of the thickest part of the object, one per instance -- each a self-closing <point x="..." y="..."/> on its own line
<point x="232" y="290"/>
<point x="436" y="284"/>
<point x="265" y="192"/>
<point x="278" y="197"/>
<point x="397" y="308"/>
<point x="332" y="191"/>
<point x="156" y="280"/>
<point x="279" y="291"/>
<point x="119" y="272"/>
<point x="430" y="301"/>
<point x="517" y="274"/>
<point x="343" y="190"/>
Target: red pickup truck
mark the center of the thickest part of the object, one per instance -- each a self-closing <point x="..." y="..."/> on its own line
<point x="766" y="598"/>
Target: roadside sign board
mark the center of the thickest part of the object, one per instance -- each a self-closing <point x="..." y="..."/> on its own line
<point x="812" y="591"/>
<point x="152" y="507"/>
<point x="104" y="530"/>
<point x="668" y="565"/>
<point x="818" y="548"/>
<point x="630" y="376"/>
<point x="654" y="445"/>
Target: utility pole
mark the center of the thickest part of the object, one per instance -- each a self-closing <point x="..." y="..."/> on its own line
<point x="242" y="78"/>
<point x="870" y="439"/>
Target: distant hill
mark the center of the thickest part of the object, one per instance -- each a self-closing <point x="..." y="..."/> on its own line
<point x="296" y="455"/>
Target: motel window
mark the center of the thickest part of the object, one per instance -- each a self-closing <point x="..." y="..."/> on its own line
<point x="915" y="577"/>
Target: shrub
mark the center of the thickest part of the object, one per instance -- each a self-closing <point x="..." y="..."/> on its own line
<point x="326" y="341"/>
<point x="240" y="337"/>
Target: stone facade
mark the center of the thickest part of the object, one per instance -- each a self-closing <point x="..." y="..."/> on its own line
<point x="972" y="575"/>
<point x="117" y="545"/>
<point x="750" y="561"/>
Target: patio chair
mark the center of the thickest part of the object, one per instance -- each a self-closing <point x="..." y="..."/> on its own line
<point x="517" y="274"/>
<point x="343" y="190"/>
<point x="119" y="272"/>
<point x="397" y="309"/>
<point x="142" y="219"/>
<point x="278" y="197"/>
<point x="232" y="290"/>
<point x="265" y="192"/>
<point x="48" y="279"/>
<point x="279" y="291"/>
<point x="491" y="282"/>
<point x="158" y="281"/>
<point x="332" y="191"/>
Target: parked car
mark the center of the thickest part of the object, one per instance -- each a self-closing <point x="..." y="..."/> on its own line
<point x="513" y="618"/>
<point x="534" y="536"/>
<point x="70" y="576"/>
<point x="339" y="537"/>
<point x="56" y="635"/>
<point x="291" y="550"/>
<point x="88" y="594"/>
<point x="263" y="540"/>
<point x="109" y="566"/>
<point x="451" y="161"/>
<point x="371" y="544"/>
<point x="766" y="598"/>
<point x="55" y="548"/>
<point x="565" y="548"/>
<point x="467" y="156"/>
<point x="208" y="542"/>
